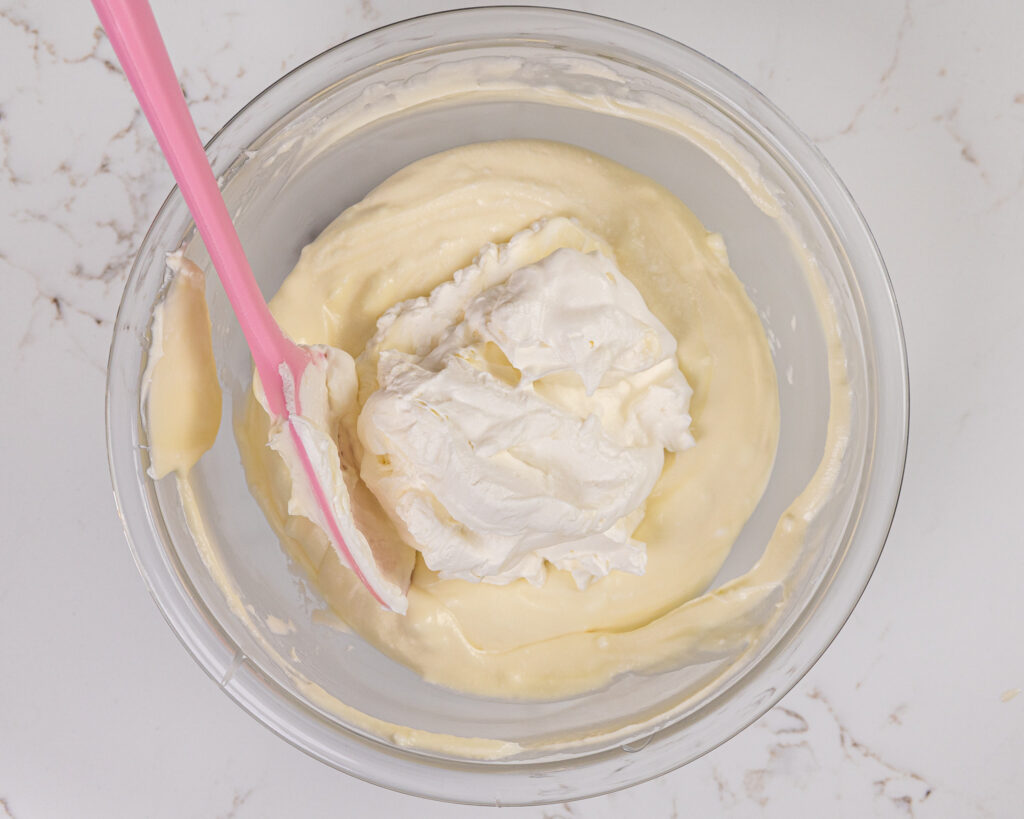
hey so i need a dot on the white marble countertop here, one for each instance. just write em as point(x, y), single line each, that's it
point(912, 711)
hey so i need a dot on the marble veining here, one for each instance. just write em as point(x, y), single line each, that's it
point(882, 86)
point(237, 802)
point(950, 121)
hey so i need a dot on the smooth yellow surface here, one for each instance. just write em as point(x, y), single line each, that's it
point(412, 233)
point(183, 402)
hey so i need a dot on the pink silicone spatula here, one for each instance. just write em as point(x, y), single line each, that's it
point(133, 33)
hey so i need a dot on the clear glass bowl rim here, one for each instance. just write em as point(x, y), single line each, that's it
point(510, 783)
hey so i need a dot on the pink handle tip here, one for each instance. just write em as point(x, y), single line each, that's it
point(133, 33)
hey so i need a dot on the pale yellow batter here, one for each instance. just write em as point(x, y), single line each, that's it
point(181, 392)
point(412, 233)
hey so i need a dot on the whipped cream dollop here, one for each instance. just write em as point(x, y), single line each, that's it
point(522, 414)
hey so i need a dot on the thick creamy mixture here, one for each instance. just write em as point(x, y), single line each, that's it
point(523, 221)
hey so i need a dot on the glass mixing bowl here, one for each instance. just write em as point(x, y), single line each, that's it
point(317, 141)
